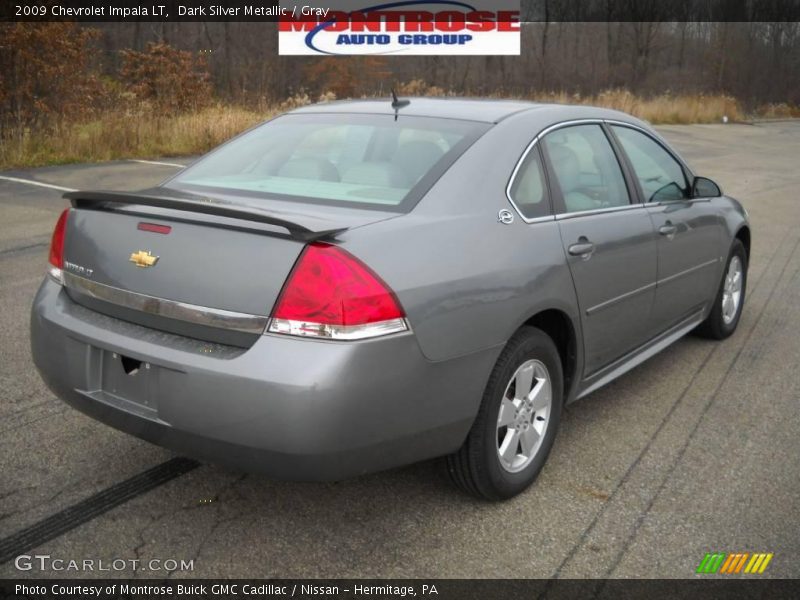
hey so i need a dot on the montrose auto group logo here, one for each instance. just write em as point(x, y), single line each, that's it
point(404, 27)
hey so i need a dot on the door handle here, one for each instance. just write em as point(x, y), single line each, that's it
point(584, 248)
point(668, 229)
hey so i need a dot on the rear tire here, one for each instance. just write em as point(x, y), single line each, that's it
point(514, 431)
point(729, 302)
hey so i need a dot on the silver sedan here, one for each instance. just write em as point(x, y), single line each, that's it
point(360, 285)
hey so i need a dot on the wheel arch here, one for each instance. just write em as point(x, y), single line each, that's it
point(743, 235)
point(560, 328)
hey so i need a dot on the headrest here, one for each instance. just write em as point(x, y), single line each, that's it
point(417, 157)
point(379, 174)
point(318, 169)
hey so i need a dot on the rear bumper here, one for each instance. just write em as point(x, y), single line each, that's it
point(291, 408)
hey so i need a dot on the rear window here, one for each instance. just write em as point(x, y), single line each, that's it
point(363, 161)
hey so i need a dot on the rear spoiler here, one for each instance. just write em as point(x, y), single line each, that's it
point(100, 199)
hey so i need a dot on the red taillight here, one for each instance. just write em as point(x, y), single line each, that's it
point(331, 294)
point(57, 241)
point(56, 258)
point(154, 228)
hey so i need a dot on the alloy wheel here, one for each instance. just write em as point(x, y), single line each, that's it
point(732, 290)
point(523, 416)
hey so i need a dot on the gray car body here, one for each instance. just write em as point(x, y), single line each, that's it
point(320, 410)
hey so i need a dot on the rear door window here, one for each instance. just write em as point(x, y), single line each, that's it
point(586, 169)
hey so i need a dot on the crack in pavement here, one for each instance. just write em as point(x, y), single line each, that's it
point(54, 413)
point(18, 249)
point(92, 507)
point(218, 522)
point(709, 403)
point(645, 449)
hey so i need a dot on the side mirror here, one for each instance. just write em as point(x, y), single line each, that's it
point(703, 187)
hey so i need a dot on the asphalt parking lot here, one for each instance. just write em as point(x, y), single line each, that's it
point(695, 451)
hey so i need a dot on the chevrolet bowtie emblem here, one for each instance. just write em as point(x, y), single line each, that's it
point(143, 259)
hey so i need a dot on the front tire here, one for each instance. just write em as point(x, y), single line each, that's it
point(724, 316)
point(517, 421)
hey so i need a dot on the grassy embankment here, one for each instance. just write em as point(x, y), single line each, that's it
point(117, 135)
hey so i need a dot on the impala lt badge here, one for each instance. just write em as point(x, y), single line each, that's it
point(79, 269)
point(143, 259)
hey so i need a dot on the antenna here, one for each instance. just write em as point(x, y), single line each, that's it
point(397, 104)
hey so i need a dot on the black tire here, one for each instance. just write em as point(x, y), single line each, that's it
point(715, 327)
point(476, 466)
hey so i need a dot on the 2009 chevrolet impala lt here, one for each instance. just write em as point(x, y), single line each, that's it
point(359, 285)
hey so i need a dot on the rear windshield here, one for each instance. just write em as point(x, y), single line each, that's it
point(363, 161)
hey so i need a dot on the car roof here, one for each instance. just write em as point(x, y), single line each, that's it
point(467, 109)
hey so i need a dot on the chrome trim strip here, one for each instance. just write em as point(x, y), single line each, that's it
point(535, 219)
point(530, 147)
point(689, 270)
point(656, 138)
point(337, 332)
point(171, 309)
point(659, 140)
point(641, 354)
point(644, 288)
point(673, 202)
point(597, 211)
point(607, 303)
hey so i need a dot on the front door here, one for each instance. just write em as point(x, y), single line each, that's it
point(609, 242)
point(689, 231)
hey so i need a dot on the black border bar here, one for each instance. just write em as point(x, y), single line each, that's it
point(731, 588)
point(587, 11)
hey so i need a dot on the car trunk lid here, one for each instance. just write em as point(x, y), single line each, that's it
point(206, 267)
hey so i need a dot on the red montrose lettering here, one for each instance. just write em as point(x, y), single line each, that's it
point(406, 21)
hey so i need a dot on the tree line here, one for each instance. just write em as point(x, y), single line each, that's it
point(757, 62)
point(50, 71)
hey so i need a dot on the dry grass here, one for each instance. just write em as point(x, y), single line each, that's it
point(139, 134)
point(779, 111)
point(659, 110)
point(145, 134)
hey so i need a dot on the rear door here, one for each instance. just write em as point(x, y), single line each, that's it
point(610, 243)
point(689, 231)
